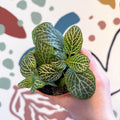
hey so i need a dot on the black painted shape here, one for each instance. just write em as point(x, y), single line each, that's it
point(108, 55)
point(113, 93)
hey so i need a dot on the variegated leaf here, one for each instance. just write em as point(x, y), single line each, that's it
point(37, 84)
point(81, 85)
point(26, 83)
point(43, 53)
point(28, 64)
point(73, 40)
point(51, 84)
point(46, 33)
point(62, 82)
point(49, 73)
point(60, 55)
point(60, 64)
point(78, 62)
point(59, 60)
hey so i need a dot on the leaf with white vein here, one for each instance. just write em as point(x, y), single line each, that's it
point(59, 60)
point(26, 83)
point(60, 55)
point(60, 64)
point(81, 85)
point(37, 84)
point(78, 62)
point(46, 33)
point(43, 52)
point(73, 40)
point(49, 73)
point(28, 64)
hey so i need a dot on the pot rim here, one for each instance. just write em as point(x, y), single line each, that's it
point(47, 95)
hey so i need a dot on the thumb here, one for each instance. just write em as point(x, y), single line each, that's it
point(93, 67)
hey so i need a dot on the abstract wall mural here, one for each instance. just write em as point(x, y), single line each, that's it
point(100, 24)
point(111, 3)
point(41, 106)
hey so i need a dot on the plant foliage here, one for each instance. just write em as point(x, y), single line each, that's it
point(57, 58)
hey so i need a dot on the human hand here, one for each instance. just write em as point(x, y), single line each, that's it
point(98, 107)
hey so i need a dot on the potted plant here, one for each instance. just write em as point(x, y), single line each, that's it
point(55, 66)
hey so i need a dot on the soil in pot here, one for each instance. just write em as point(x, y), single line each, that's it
point(50, 90)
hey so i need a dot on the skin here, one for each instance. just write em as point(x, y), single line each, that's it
point(98, 107)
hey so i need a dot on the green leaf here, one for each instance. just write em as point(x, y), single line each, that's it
point(78, 62)
point(51, 83)
point(43, 53)
point(60, 55)
point(37, 84)
point(59, 64)
point(46, 33)
point(59, 60)
point(26, 83)
point(115, 113)
point(81, 85)
point(73, 40)
point(28, 64)
point(62, 82)
point(49, 73)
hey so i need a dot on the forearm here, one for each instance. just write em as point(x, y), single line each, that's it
point(110, 117)
point(104, 116)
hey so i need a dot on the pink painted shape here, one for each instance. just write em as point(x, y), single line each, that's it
point(15, 103)
point(116, 21)
point(91, 37)
point(11, 103)
point(10, 23)
point(91, 17)
point(17, 106)
point(28, 113)
point(102, 25)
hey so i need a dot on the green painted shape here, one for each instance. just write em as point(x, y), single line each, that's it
point(51, 8)
point(0, 104)
point(22, 4)
point(20, 23)
point(4, 83)
point(36, 17)
point(2, 29)
point(12, 74)
point(2, 46)
point(40, 3)
point(115, 113)
point(10, 52)
point(8, 63)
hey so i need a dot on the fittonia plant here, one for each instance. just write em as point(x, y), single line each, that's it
point(56, 61)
